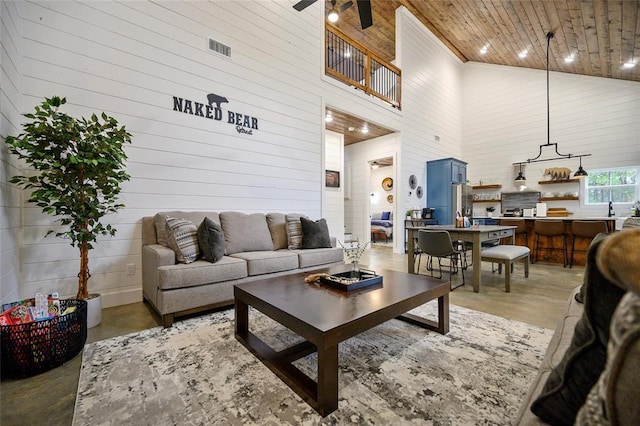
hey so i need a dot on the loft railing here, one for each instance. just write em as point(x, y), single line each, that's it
point(350, 62)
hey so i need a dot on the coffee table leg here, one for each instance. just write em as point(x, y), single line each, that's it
point(443, 314)
point(441, 326)
point(241, 318)
point(327, 380)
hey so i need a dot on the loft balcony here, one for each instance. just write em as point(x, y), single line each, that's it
point(355, 65)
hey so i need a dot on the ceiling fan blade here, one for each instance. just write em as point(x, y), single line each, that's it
point(346, 6)
point(303, 4)
point(364, 9)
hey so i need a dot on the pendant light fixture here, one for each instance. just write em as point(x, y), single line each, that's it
point(520, 178)
point(578, 174)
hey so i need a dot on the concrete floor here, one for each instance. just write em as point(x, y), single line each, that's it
point(49, 398)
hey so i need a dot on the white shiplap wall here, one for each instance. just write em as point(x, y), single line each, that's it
point(10, 119)
point(334, 197)
point(505, 121)
point(432, 105)
point(129, 59)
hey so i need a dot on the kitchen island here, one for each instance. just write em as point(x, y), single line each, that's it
point(556, 256)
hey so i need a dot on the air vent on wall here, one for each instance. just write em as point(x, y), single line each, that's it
point(217, 47)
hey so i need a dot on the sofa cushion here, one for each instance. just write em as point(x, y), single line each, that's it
point(278, 229)
point(245, 232)
point(320, 256)
point(266, 262)
point(315, 234)
point(569, 383)
point(182, 236)
point(201, 272)
point(385, 216)
point(294, 231)
point(211, 240)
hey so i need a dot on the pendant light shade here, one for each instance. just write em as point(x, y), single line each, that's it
point(580, 173)
point(520, 178)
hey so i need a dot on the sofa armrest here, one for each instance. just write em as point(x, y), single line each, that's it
point(153, 257)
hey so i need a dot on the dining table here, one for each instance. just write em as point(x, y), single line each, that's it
point(476, 234)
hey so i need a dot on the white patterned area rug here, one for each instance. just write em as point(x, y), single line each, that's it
point(196, 373)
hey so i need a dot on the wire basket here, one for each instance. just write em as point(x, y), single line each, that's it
point(35, 347)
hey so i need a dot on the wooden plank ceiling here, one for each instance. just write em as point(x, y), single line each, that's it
point(600, 35)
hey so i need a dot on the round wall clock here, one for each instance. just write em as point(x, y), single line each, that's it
point(389, 198)
point(413, 181)
point(419, 192)
point(387, 184)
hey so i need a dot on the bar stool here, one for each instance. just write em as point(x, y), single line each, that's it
point(550, 229)
point(585, 230)
point(520, 230)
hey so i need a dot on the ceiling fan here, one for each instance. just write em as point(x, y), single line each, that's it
point(364, 10)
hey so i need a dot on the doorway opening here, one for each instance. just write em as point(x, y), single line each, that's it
point(381, 202)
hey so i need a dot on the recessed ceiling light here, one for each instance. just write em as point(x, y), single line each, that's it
point(629, 64)
point(328, 118)
point(569, 59)
point(351, 128)
point(365, 129)
point(484, 49)
point(523, 54)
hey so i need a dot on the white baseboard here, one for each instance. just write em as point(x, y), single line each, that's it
point(124, 297)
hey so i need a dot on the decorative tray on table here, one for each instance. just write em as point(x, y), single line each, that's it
point(345, 281)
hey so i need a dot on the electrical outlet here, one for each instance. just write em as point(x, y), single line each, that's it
point(131, 268)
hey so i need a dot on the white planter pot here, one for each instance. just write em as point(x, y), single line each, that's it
point(94, 310)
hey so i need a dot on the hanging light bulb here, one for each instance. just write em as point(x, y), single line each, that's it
point(333, 13)
point(375, 165)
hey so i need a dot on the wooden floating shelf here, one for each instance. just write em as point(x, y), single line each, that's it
point(549, 182)
point(487, 201)
point(558, 198)
point(487, 186)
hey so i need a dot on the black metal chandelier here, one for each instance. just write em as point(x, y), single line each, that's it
point(580, 173)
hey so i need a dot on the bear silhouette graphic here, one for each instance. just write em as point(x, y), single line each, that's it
point(216, 99)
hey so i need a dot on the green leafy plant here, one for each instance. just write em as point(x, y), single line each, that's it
point(79, 166)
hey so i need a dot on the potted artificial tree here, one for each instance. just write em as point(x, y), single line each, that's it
point(79, 166)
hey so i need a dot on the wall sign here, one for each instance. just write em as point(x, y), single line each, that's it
point(212, 109)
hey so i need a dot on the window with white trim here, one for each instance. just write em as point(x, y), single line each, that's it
point(620, 185)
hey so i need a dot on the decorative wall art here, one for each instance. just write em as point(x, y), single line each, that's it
point(389, 198)
point(332, 179)
point(413, 181)
point(387, 184)
point(419, 192)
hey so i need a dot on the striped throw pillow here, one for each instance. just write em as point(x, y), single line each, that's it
point(294, 231)
point(182, 236)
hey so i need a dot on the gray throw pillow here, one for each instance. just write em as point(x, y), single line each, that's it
point(245, 232)
point(315, 234)
point(211, 240)
point(182, 236)
point(568, 385)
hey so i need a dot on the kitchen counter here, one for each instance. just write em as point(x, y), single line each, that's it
point(614, 222)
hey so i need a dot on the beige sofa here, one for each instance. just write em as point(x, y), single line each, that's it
point(256, 246)
point(596, 343)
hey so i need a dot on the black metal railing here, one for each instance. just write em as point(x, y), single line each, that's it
point(353, 64)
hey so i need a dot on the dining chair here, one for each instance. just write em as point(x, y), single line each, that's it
point(438, 244)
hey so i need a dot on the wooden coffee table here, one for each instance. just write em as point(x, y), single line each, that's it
point(325, 316)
